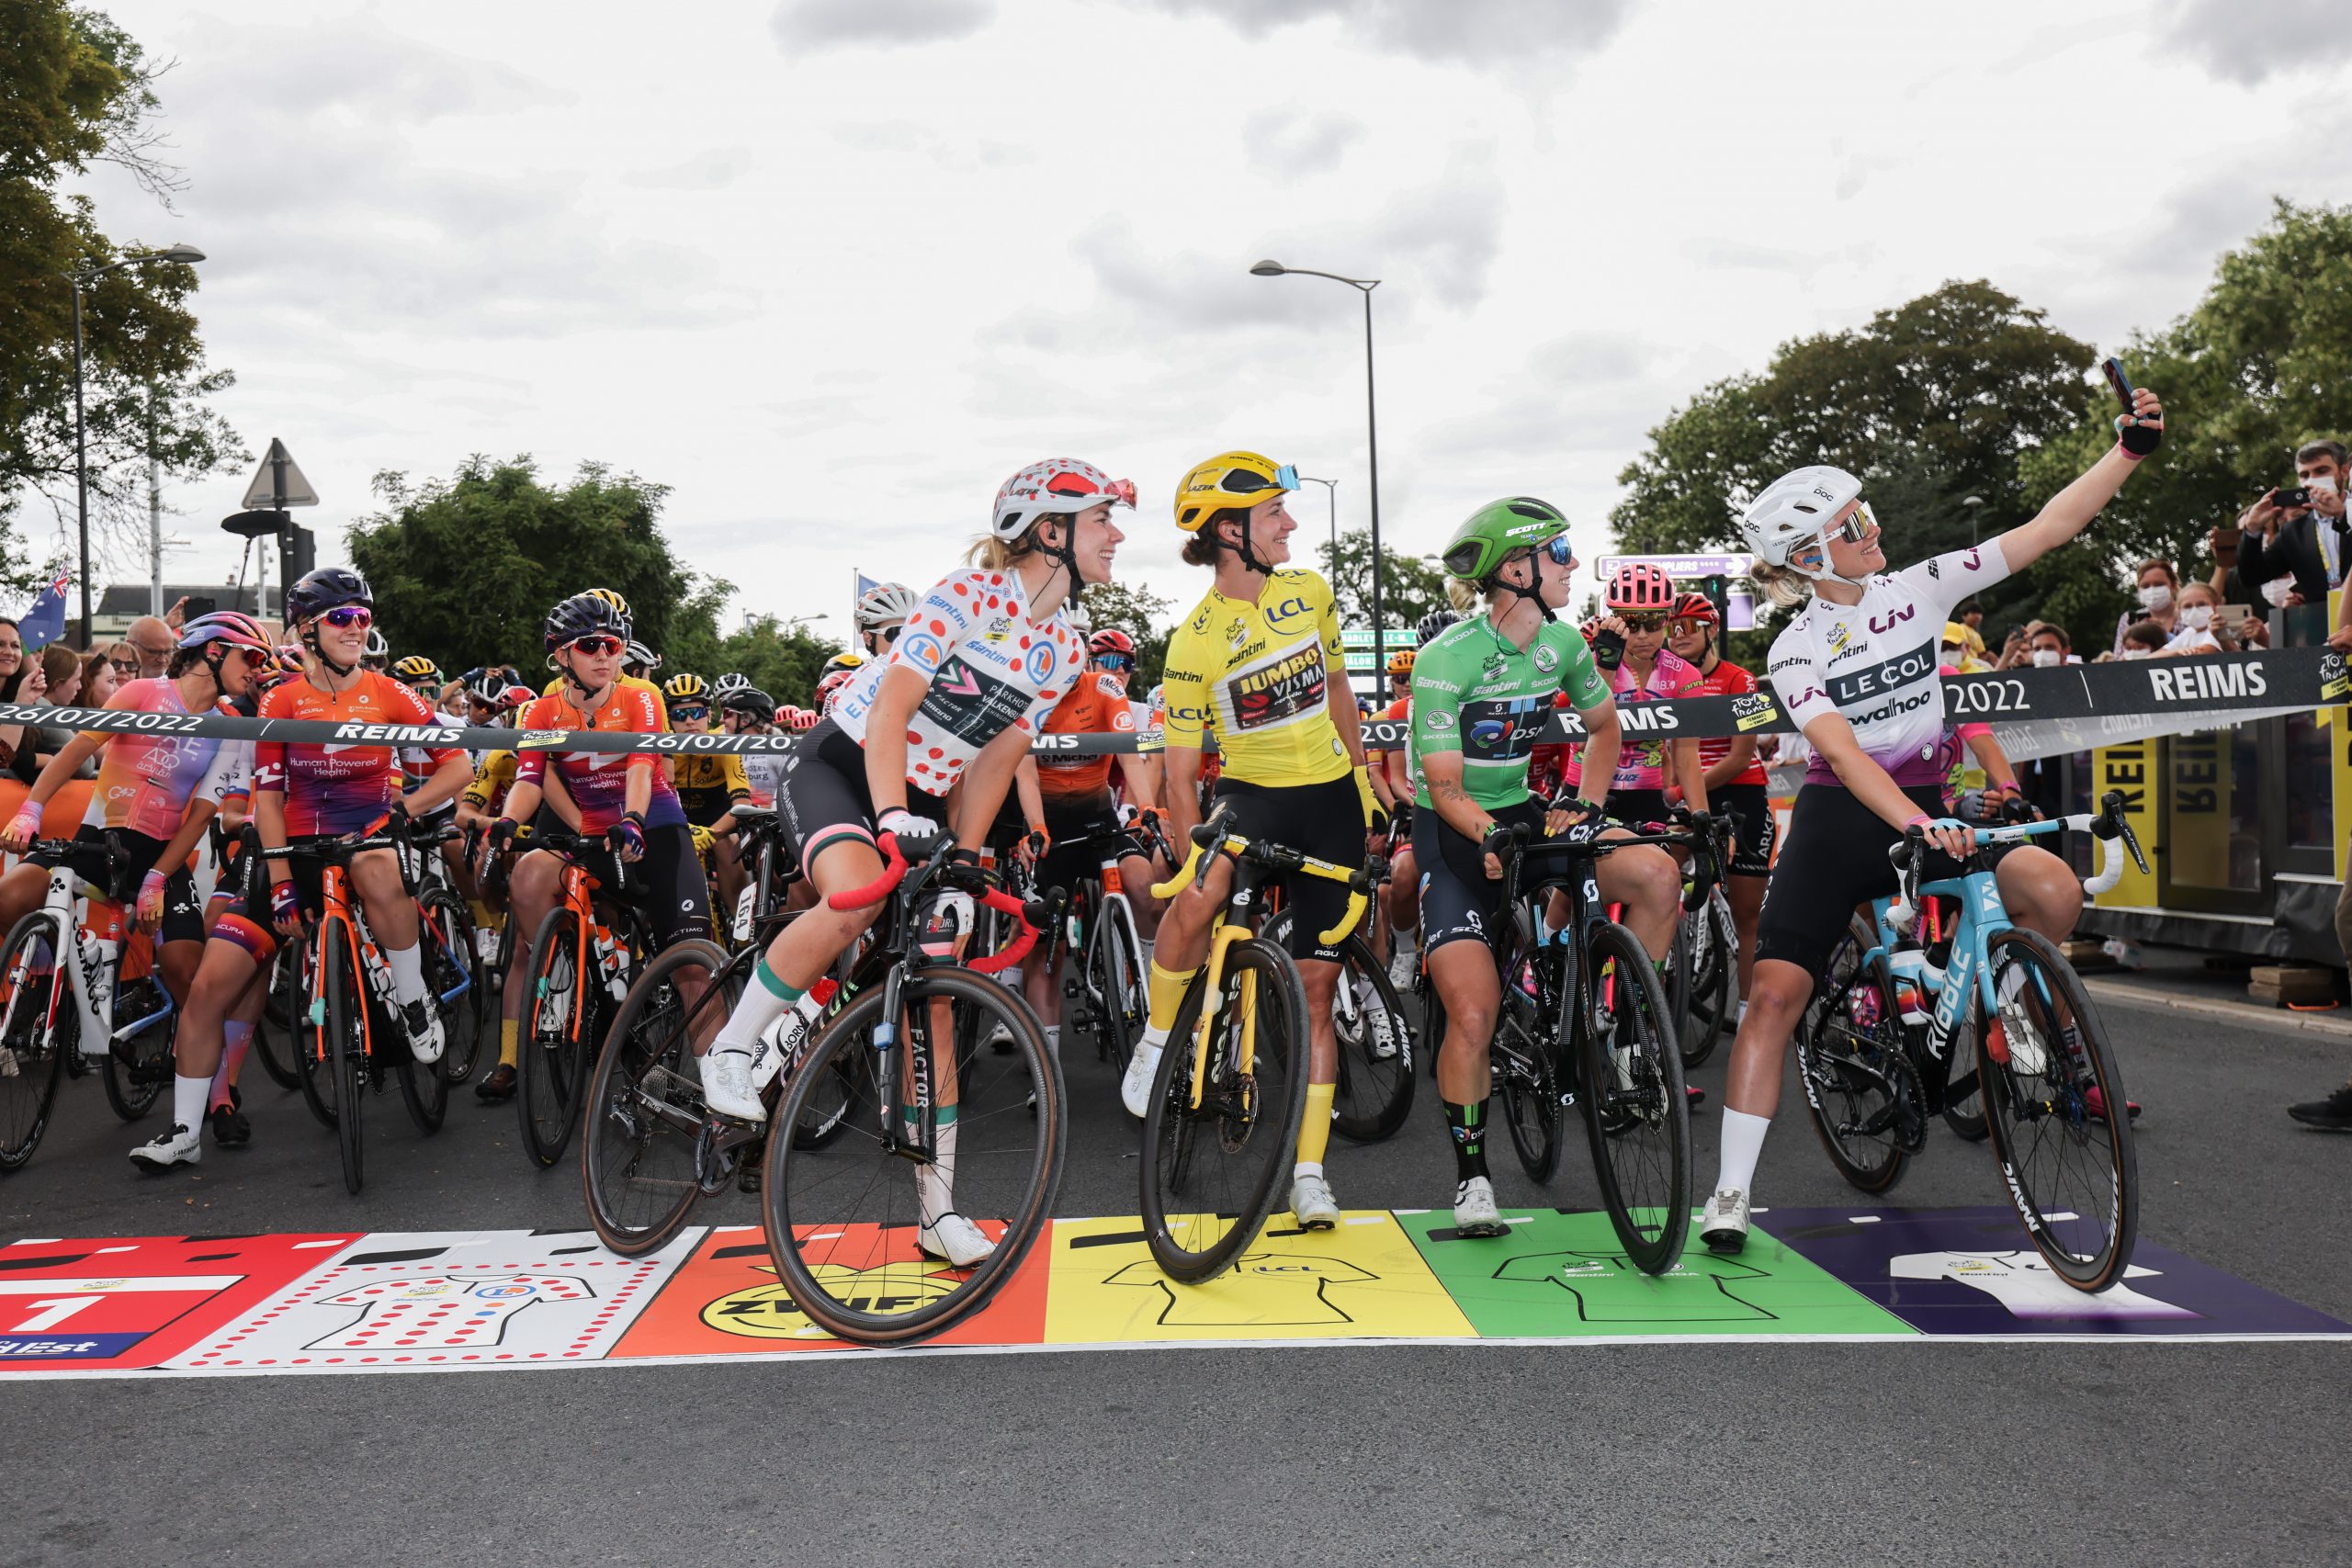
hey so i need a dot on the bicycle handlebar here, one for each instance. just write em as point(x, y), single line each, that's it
point(894, 867)
point(1033, 914)
point(2108, 826)
point(1215, 838)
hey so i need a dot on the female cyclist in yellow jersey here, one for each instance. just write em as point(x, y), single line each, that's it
point(1258, 662)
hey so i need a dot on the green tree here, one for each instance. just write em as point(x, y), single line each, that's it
point(466, 570)
point(1409, 587)
point(1144, 616)
point(79, 91)
point(782, 662)
point(2250, 373)
point(1932, 402)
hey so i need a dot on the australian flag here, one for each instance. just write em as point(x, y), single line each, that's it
point(45, 621)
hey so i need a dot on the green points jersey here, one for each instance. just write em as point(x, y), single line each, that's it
point(1476, 694)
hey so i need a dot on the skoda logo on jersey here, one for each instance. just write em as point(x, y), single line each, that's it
point(1438, 719)
point(1038, 663)
point(1289, 609)
point(1547, 658)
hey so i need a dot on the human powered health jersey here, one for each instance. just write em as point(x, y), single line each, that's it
point(1476, 693)
point(338, 787)
point(990, 666)
point(145, 781)
point(1875, 663)
point(598, 780)
point(1258, 676)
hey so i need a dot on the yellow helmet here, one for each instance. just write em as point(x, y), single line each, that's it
point(1229, 479)
point(1401, 661)
point(619, 604)
point(688, 688)
point(841, 662)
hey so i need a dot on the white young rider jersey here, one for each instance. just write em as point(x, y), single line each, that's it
point(990, 666)
point(1875, 663)
point(764, 771)
point(442, 1314)
point(2022, 1283)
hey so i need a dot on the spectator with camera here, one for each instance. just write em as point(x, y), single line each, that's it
point(2293, 543)
point(2037, 644)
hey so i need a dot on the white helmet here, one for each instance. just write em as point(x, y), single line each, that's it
point(638, 653)
point(884, 605)
point(731, 681)
point(377, 647)
point(1796, 510)
point(1057, 487)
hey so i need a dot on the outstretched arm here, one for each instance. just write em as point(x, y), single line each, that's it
point(2069, 512)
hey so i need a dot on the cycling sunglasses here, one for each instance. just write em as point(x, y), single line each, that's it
point(888, 634)
point(1123, 662)
point(1649, 623)
point(1562, 552)
point(1121, 493)
point(596, 644)
point(1859, 524)
point(692, 713)
point(1247, 483)
point(347, 615)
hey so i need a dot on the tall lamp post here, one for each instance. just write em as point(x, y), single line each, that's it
point(83, 278)
point(1364, 286)
point(1330, 493)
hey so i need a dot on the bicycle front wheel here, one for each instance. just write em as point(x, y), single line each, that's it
point(1222, 1127)
point(1374, 1092)
point(556, 1020)
point(2055, 1105)
point(454, 969)
point(846, 1219)
point(277, 1034)
point(1713, 945)
point(639, 1152)
point(1635, 1112)
point(32, 1059)
point(346, 1046)
point(1116, 999)
point(1851, 1062)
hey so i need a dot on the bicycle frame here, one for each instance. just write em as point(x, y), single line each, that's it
point(94, 977)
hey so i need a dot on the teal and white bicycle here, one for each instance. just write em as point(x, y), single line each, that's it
point(1938, 976)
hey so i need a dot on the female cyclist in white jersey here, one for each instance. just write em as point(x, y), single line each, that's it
point(1856, 670)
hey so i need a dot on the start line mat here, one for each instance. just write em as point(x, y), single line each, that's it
point(228, 1306)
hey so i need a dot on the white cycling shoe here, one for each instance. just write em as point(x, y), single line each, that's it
point(1134, 1089)
point(1311, 1203)
point(181, 1145)
point(1403, 966)
point(1474, 1209)
point(727, 1085)
point(954, 1238)
point(1722, 1224)
point(424, 1025)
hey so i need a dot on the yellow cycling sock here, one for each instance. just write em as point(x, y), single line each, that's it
point(1315, 1127)
point(1168, 993)
point(510, 1029)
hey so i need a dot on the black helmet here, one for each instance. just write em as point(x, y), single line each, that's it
point(583, 614)
point(1435, 622)
point(329, 588)
point(750, 700)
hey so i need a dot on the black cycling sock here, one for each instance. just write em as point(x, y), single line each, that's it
point(1468, 1125)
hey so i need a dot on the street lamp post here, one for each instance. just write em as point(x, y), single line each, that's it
point(1330, 493)
point(1973, 505)
point(80, 279)
point(1364, 286)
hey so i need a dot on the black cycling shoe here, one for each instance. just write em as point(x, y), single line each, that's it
point(2333, 1114)
point(498, 1085)
point(229, 1128)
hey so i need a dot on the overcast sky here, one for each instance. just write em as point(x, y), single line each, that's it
point(832, 269)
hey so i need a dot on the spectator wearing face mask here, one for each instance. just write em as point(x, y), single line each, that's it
point(1954, 654)
point(2159, 590)
point(2048, 646)
point(2292, 554)
point(2198, 628)
point(2142, 639)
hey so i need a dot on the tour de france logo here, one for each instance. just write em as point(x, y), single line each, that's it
point(2335, 683)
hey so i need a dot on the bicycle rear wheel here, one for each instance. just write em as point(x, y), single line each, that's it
point(136, 1068)
point(1713, 947)
point(32, 1057)
point(1635, 1112)
point(278, 1033)
point(453, 969)
point(1525, 1074)
point(423, 1089)
point(1375, 1091)
point(1851, 1062)
point(558, 1019)
point(347, 1048)
point(640, 1149)
point(1116, 999)
point(1213, 1171)
point(843, 1220)
point(2066, 1158)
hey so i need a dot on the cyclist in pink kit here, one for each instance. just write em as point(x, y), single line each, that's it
point(1629, 648)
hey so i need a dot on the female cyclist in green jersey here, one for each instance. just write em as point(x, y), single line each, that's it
point(1481, 694)
point(1259, 663)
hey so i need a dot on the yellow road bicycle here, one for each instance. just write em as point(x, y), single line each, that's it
point(1224, 1116)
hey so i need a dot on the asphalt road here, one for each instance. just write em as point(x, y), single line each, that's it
point(1934, 1452)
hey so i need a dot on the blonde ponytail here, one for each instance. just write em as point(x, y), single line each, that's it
point(1463, 596)
point(1784, 586)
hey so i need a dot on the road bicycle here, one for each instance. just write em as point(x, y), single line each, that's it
point(931, 1128)
point(1222, 1124)
point(1109, 993)
point(1876, 1050)
point(765, 853)
point(442, 907)
point(1704, 962)
point(1586, 1022)
point(581, 962)
point(52, 1009)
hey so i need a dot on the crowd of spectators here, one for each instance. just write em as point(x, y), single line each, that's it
point(60, 676)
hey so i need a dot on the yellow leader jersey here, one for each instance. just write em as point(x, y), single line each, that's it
point(1258, 677)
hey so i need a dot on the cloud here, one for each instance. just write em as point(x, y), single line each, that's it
point(808, 25)
point(703, 171)
point(2247, 41)
point(1479, 32)
point(1294, 144)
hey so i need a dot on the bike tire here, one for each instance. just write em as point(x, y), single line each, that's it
point(2036, 1118)
point(830, 1262)
point(1115, 981)
point(423, 1089)
point(1635, 1113)
point(643, 1129)
point(347, 1049)
point(1373, 1094)
point(135, 1070)
point(29, 980)
point(1524, 1064)
point(1193, 1244)
point(276, 1031)
point(1963, 1084)
point(451, 955)
point(557, 1006)
point(1714, 986)
point(1852, 1064)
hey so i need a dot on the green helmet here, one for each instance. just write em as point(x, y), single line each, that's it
point(1495, 530)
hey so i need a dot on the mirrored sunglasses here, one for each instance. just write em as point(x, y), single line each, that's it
point(347, 616)
point(596, 644)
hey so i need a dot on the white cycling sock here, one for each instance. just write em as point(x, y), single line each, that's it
point(764, 1000)
point(1743, 1141)
point(189, 1096)
point(1153, 1039)
point(408, 972)
point(1306, 1167)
